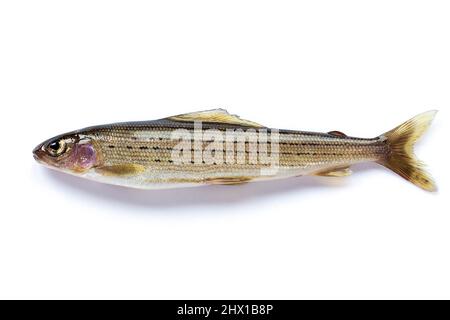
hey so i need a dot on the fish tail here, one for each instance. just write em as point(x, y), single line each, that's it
point(400, 157)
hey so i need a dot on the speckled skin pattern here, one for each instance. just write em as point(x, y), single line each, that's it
point(140, 154)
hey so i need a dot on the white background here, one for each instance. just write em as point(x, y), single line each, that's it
point(356, 66)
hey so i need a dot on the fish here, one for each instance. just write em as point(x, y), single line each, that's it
point(214, 147)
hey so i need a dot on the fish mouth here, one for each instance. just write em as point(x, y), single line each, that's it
point(37, 153)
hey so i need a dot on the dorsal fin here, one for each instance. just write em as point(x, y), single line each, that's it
point(216, 116)
point(337, 133)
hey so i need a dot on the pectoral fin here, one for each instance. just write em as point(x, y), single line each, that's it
point(126, 169)
point(336, 172)
point(216, 116)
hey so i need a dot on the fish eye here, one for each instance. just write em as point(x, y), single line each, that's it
point(56, 148)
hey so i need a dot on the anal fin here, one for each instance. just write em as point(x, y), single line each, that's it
point(335, 172)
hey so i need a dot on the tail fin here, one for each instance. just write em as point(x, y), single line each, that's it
point(401, 158)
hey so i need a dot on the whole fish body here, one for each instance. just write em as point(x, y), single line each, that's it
point(215, 147)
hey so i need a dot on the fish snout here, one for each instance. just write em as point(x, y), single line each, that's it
point(38, 153)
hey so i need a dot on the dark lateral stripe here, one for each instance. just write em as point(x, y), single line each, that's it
point(258, 152)
point(294, 144)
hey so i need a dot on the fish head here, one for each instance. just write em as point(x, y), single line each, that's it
point(71, 152)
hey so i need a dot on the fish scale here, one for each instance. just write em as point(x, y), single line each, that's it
point(144, 154)
point(121, 143)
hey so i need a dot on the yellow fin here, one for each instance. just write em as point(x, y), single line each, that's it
point(126, 169)
point(229, 180)
point(336, 172)
point(216, 116)
point(401, 158)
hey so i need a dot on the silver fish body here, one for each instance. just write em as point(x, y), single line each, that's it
point(214, 147)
